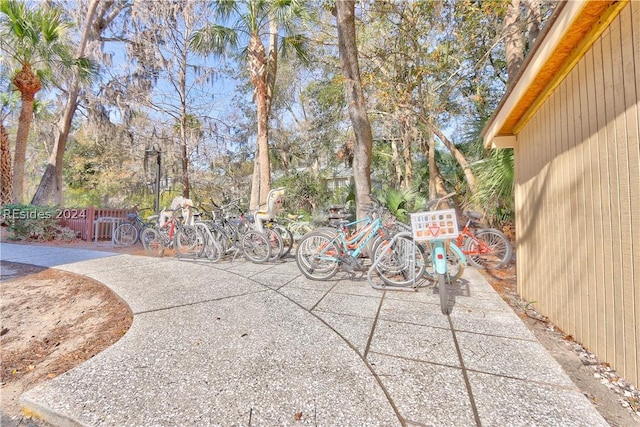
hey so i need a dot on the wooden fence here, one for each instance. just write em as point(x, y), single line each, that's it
point(92, 223)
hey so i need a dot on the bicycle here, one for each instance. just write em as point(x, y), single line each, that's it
point(485, 247)
point(128, 233)
point(229, 230)
point(296, 225)
point(285, 235)
point(322, 252)
point(170, 232)
point(438, 228)
point(280, 239)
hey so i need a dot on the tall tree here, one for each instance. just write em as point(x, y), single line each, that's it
point(348, 49)
point(163, 45)
point(36, 40)
point(51, 182)
point(260, 21)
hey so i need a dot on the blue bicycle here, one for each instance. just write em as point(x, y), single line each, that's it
point(322, 252)
point(438, 228)
point(129, 232)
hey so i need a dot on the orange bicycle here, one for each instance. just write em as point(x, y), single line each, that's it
point(482, 247)
point(486, 247)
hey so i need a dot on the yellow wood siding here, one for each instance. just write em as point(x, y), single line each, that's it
point(578, 199)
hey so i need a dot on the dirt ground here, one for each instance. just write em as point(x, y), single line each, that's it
point(53, 321)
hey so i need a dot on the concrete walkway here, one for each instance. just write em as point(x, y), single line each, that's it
point(241, 344)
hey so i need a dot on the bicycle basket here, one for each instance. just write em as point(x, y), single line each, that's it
point(432, 225)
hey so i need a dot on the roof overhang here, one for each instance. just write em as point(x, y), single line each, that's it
point(572, 29)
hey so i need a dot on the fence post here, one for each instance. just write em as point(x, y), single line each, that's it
point(91, 211)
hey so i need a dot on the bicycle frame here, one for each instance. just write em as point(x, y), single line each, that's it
point(439, 255)
point(166, 232)
point(353, 245)
point(356, 243)
point(465, 234)
point(137, 221)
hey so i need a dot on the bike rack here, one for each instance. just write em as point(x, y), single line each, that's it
point(194, 256)
point(105, 220)
point(410, 258)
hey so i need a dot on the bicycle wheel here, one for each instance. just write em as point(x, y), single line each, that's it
point(125, 234)
point(444, 300)
point(400, 262)
point(208, 246)
point(152, 242)
point(145, 237)
point(455, 266)
point(488, 248)
point(317, 256)
point(287, 239)
point(383, 235)
point(255, 246)
point(300, 230)
point(275, 242)
point(219, 235)
point(185, 239)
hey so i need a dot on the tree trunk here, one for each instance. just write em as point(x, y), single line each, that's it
point(51, 183)
point(5, 175)
point(272, 61)
point(46, 188)
point(20, 153)
point(395, 160)
point(436, 183)
point(534, 20)
point(345, 17)
point(263, 147)
point(254, 201)
point(406, 155)
point(513, 39)
point(185, 168)
point(460, 158)
point(284, 156)
point(258, 71)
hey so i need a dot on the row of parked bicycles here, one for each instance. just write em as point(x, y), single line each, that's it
point(433, 247)
point(211, 231)
point(395, 251)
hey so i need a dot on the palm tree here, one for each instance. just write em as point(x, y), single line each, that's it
point(36, 42)
point(257, 22)
point(5, 167)
point(496, 185)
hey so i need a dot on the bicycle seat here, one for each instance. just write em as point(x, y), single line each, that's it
point(473, 215)
point(152, 218)
point(131, 216)
point(338, 222)
point(338, 215)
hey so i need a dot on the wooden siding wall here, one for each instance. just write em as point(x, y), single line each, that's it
point(578, 200)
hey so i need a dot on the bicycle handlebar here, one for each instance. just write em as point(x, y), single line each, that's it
point(234, 203)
